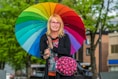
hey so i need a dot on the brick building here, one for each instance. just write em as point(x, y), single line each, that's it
point(113, 52)
point(83, 54)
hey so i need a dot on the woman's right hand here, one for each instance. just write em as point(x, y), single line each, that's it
point(49, 42)
point(46, 53)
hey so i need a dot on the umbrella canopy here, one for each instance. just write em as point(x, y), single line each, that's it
point(31, 24)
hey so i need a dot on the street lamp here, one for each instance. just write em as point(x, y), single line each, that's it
point(100, 49)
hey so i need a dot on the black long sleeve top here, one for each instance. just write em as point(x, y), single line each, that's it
point(64, 45)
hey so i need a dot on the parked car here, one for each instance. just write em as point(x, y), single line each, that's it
point(85, 73)
point(38, 71)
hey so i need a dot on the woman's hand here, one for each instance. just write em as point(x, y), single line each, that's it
point(49, 42)
point(46, 53)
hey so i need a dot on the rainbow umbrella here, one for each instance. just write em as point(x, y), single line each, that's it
point(31, 25)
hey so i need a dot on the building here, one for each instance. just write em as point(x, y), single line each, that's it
point(84, 53)
point(113, 52)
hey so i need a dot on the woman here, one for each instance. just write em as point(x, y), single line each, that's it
point(57, 41)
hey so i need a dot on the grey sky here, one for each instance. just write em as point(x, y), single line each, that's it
point(112, 4)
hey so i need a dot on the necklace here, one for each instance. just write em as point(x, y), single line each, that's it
point(54, 38)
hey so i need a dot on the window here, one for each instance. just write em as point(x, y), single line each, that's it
point(87, 51)
point(113, 68)
point(114, 48)
point(87, 41)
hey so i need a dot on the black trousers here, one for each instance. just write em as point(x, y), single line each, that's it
point(52, 77)
point(59, 76)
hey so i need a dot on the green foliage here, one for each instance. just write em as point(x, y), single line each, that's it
point(40, 1)
point(38, 60)
point(90, 11)
point(10, 50)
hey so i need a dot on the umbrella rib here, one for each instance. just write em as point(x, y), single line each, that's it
point(68, 13)
point(44, 9)
point(50, 8)
point(59, 9)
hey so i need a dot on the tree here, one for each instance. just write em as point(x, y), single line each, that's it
point(10, 50)
point(95, 16)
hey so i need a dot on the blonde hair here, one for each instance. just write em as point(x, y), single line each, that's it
point(61, 30)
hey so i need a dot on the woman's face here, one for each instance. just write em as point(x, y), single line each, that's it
point(54, 25)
